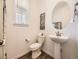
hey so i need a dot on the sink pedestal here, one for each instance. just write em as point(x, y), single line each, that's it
point(58, 41)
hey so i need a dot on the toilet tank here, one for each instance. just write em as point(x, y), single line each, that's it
point(41, 38)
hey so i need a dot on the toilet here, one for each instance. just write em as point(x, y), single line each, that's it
point(36, 47)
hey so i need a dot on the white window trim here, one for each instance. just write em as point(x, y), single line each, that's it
point(23, 11)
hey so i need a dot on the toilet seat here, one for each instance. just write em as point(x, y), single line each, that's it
point(35, 46)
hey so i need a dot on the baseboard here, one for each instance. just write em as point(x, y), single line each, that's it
point(47, 52)
point(20, 55)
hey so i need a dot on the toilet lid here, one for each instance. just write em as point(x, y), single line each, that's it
point(35, 46)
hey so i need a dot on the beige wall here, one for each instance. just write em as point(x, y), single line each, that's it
point(15, 36)
point(1, 19)
point(69, 48)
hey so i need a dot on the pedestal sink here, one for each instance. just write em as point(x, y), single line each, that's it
point(58, 39)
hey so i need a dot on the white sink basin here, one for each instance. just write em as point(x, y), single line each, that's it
point(58, 39)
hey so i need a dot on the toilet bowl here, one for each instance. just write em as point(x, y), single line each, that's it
point(36, 47)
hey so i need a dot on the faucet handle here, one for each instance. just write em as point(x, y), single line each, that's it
point(58, 33)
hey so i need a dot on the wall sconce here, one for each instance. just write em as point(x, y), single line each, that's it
point(75, 12)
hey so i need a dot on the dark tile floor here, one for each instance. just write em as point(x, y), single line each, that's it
point(42, 56)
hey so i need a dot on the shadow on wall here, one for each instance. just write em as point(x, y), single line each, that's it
point(70, 49)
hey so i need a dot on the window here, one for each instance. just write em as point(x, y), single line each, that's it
point(21, 12)
point(20, 16)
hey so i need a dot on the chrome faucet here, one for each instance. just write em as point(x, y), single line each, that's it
point(58, 26)
point(58, 33)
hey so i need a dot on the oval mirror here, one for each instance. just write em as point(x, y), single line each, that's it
point(61, 14)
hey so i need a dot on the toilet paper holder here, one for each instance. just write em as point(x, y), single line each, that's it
point(27, 40)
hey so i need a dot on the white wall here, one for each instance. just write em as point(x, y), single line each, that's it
point(15, 36)
point(70, 48)
point(47, 7)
